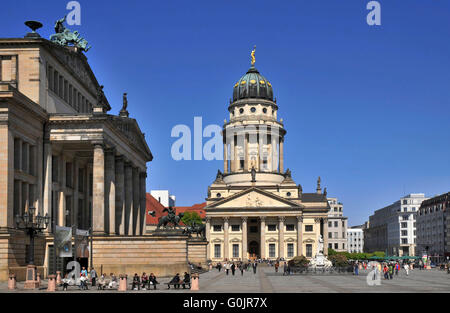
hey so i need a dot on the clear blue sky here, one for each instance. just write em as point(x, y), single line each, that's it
point(366, 108)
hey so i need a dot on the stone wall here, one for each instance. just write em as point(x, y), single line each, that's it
point(161, 255)
point(197, 251)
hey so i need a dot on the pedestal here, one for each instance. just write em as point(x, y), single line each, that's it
point(51, 283)
point(58, 278)
point(31, 281)
point(122, 283)
point(12, 281)
point(194, 282)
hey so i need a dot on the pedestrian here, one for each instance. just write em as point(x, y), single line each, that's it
point(219, 266)
point(227, 267)
point(241, 267)
point(233, 268)
point(277, 264)
point(152, 281)
point(356, 268)
point(186, 280)
point(136, 282)
point(397, 267)
point(93, 277)
point(83, 279)
point(254, 265)
point(391, 271)
point(176, 281)
point(285, 269)
point(144, 280)
point(386, 272)
point(406, 267)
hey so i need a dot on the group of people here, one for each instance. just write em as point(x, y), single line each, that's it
point(233, 266)
point(177, 281)
point(144, 281)
point(286, 267)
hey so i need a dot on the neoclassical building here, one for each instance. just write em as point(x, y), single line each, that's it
point(63, 154)
point(254, 208)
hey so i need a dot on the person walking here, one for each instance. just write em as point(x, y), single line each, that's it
point(285, 269)
point(219, 266)
point(227, 267)
point(93, 277)
point(241, 268)
point(391, 271)
point(397, 267)
point(356, 266)
point(406, 267)
point(386, 272)
point(254, 265)
point(277, 264)
point(233, 268)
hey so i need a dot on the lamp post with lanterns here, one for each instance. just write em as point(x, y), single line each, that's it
point(32, 224)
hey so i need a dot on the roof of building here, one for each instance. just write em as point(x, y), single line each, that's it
point(313, 197)
point(252, 85)
point(154, 205)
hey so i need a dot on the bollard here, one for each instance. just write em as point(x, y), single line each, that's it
point(58, 278)
point(51, 283)
point(194, 282)
point(12, 281)
point(38, 278)
point(122, 282)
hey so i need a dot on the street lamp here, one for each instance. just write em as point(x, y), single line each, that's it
point(32, 224)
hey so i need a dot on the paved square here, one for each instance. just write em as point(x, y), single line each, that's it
point(267, 281)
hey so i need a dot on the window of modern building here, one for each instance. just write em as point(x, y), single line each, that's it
point(308, 228)
point(404, 225)
point(290, 250)
point(404, 233)
point(404, 240)
point(217, 250)
point(235, 250)
point(308, 250)
point(271, 250)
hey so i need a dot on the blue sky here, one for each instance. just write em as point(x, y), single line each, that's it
point(366, 108)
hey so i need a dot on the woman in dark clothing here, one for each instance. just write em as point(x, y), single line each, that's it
point(152, 281)
point(176, 281)
point(136, 282)
point(186, 280)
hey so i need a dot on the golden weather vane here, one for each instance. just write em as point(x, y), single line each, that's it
point(253, 55)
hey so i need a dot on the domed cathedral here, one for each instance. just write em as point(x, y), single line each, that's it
point(254, 208)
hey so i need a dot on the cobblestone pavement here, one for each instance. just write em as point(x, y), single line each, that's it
point(267, 281)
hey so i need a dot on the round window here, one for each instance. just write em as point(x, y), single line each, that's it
point(288, 194)
point(253, 110)
point(264, 110)
point(241, 110)
point(219, 195)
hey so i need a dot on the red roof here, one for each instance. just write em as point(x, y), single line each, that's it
point(154, 205)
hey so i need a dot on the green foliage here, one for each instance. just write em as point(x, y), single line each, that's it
point(355, 256)
point(299, 261)
point(191, 219)
point(338, 259)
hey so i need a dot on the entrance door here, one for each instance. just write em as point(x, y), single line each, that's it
point(253, 249)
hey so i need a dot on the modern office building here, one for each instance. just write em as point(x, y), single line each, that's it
point(355, 240)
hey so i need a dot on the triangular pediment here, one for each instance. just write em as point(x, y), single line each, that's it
point(254, 198)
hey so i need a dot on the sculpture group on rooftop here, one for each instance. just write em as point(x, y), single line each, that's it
point(64, 36)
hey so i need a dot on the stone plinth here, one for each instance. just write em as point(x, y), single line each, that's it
point(51, 283)
point(31, 282)
point(12, 281)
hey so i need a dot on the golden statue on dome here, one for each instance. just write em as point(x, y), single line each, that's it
point(253, 56)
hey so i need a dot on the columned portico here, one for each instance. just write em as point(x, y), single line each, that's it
point(262, 230)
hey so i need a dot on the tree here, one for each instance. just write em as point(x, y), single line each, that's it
point(191, 219)
point(338, 260)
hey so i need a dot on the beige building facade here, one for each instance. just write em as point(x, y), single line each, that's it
point(254, 208)
point(63, 154)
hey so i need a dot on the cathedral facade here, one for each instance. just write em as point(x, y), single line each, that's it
point(254, 208)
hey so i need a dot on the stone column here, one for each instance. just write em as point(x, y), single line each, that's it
point(98, 197)
point(225, 238)
point(128, 199)
point(136, 202)
point(244, 238)
point(62, 194)
point(232, 155)
point(274, 154)
point(263, 236)
point(207, 233)
point(143, 201)
point(325, 236)
point(225, 157)
point(281, 155)
point(48, 182)
point(245, 152)
point(299, 235)
point(110, 191)
point(87, 214)
point(260, 150)
point(75, 207)
point(281, 220)
point(120, 195)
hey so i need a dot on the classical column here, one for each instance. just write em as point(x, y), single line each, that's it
point(225, 157)
point(299, 235)
point(260, 150)
point(136, 202)
point(281, 156)
point(128, 199)
point(246, 153)
point(110, 191)
point(236, 159)
point(48, 182)
point(207, 233)
point(98, 197)
point(244, 238)
point(75, 207)
point(62, 194)
point(87, 213)
point(281, 220)
point(120, 195)
point(232, 154)
point(274, 154)
point(225, 238)
point(263, 237)
point(143, 200)
point(325, 236)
